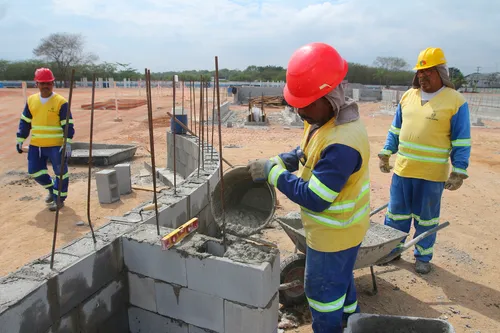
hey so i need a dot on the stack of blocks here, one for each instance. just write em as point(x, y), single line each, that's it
point(195, 288)
point(113, 183)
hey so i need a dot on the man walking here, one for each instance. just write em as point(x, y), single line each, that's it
point(431, 125)
point(45, 116)
point(332, 183)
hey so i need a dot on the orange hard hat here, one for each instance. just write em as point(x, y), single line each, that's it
point(313, 71)
point(44, 75)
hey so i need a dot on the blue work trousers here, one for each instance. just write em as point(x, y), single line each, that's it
point(37, 168)
point(330, 289)
point(416, 199)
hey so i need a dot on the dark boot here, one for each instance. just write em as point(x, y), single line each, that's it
point(422, 267)
point(53, 206)
point(49, 198)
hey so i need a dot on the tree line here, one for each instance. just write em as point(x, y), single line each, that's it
point(62, 51)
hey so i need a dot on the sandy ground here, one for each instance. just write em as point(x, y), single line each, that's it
point(464, 287)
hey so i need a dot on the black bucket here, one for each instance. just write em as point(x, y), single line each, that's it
point(248, 206)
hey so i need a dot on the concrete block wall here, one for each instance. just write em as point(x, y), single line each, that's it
point(199, 287)
point(243, 93)
point(124, 283)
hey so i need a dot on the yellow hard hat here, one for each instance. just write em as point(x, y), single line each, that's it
point(430, 57)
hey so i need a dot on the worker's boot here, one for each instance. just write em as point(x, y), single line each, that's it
point(53, 206)
point(422, 267)
point(49, 198)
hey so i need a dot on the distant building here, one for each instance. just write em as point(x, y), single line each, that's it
point(483, 80)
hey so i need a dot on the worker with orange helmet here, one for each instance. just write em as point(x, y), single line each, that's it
point(431, 126)
point(45, 117)
point(332, 184)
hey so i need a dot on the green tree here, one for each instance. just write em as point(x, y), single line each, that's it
point(457, 78)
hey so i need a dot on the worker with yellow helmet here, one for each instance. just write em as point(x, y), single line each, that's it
point(430, 127)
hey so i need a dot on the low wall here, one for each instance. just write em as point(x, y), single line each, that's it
point(243, 93)
point(367, 95)
point(94, 287)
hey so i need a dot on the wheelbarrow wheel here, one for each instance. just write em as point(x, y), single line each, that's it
point(292, 269)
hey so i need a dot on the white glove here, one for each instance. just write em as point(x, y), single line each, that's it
point(68, 150)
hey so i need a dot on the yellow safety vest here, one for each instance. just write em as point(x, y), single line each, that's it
point(344, 224)
point(46, 127)
point(425, 135)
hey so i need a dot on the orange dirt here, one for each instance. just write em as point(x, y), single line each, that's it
point(463, 288)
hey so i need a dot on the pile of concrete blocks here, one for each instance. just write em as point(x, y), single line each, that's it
point(112, 183)
point(198, 287)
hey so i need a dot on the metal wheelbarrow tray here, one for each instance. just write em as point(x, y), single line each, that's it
point(102, 153)
point(375, 249)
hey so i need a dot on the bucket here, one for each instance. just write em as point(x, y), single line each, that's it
point(181, 115)
point(248, 206)
point(373, 323)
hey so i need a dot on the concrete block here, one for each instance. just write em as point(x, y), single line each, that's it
point(248, 283)
point(142, 321)
point(192, 307)
point(118, 323)
point(103, 305)
point(175, 210)
point(67, 324)
point(107, 186)
point(239, 318)
point(195, 329)
point(124, 175)
point(198, 199)
point(141, 291)
point(24, 306)
point(214, 180)
point(143, 243)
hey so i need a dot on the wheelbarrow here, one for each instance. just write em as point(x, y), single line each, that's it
point(376, 248)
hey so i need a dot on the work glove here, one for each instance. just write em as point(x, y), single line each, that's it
point(455, 181)
point(68, 149)
point(19, 147)
point(384, 163)
point(259, 169)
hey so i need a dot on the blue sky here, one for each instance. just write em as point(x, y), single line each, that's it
point(187, 34)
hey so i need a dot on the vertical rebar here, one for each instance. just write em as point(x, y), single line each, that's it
point(191, 103)
point(91, 139)
point(182, 96)
point(220, 152)
point(61, 171)
point(151, 143)
point(213, 122)
point(202, 116)
point(206, 111)
point(174, 135)
point(194, 106)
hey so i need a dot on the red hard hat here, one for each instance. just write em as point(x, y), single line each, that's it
point(313, 71)
point(44, 75)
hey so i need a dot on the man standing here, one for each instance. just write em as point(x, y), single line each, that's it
point(332, 183)
point(430, 126)
point(45, 116)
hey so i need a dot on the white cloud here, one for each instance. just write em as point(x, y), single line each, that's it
point(179, 34)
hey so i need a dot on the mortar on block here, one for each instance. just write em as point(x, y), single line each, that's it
point(248, 206)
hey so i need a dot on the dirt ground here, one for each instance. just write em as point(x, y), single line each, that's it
point(463, 288)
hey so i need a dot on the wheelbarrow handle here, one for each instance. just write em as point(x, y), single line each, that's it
point(414, 241)
point(375, 211)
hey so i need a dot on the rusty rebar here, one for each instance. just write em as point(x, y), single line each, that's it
point(62, 167)
point(213, 122)
point(220, 153)
point(91, 136)
point(152, 145)
point(174, 135)
point(194, 106)
point(202, 127)
point(194, 134)
point(206, 111)
point(191, 102)
point(182, 95)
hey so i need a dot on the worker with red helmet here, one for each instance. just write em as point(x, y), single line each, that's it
point(332, 183)
point(45, 117)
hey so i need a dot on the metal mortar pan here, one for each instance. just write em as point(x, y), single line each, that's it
point(248, 206)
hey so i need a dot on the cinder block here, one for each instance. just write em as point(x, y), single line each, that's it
point(248, 283)
point(67, 324)
point(213, 180)
point(141, 291)
point(142, 321)
point(117, 323)
point(192, 307)
point(177, 211)
point(195, 329)
point(198, 199)
point(124, 175)
point(239, 318)
point(107, 186)
point(102, 305)
point(143, 255)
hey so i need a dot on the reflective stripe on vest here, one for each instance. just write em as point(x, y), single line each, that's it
point(329, 221)
point(47, 132)
point(423, 153)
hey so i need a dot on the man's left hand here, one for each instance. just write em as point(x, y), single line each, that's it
point(68, 150)
point(454, 181)
point(259, 169)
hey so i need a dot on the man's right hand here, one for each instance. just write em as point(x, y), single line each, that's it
point(384, 163)
point(19, 147)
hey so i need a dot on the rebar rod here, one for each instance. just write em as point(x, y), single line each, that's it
point(91, 139)
point(173, 134)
